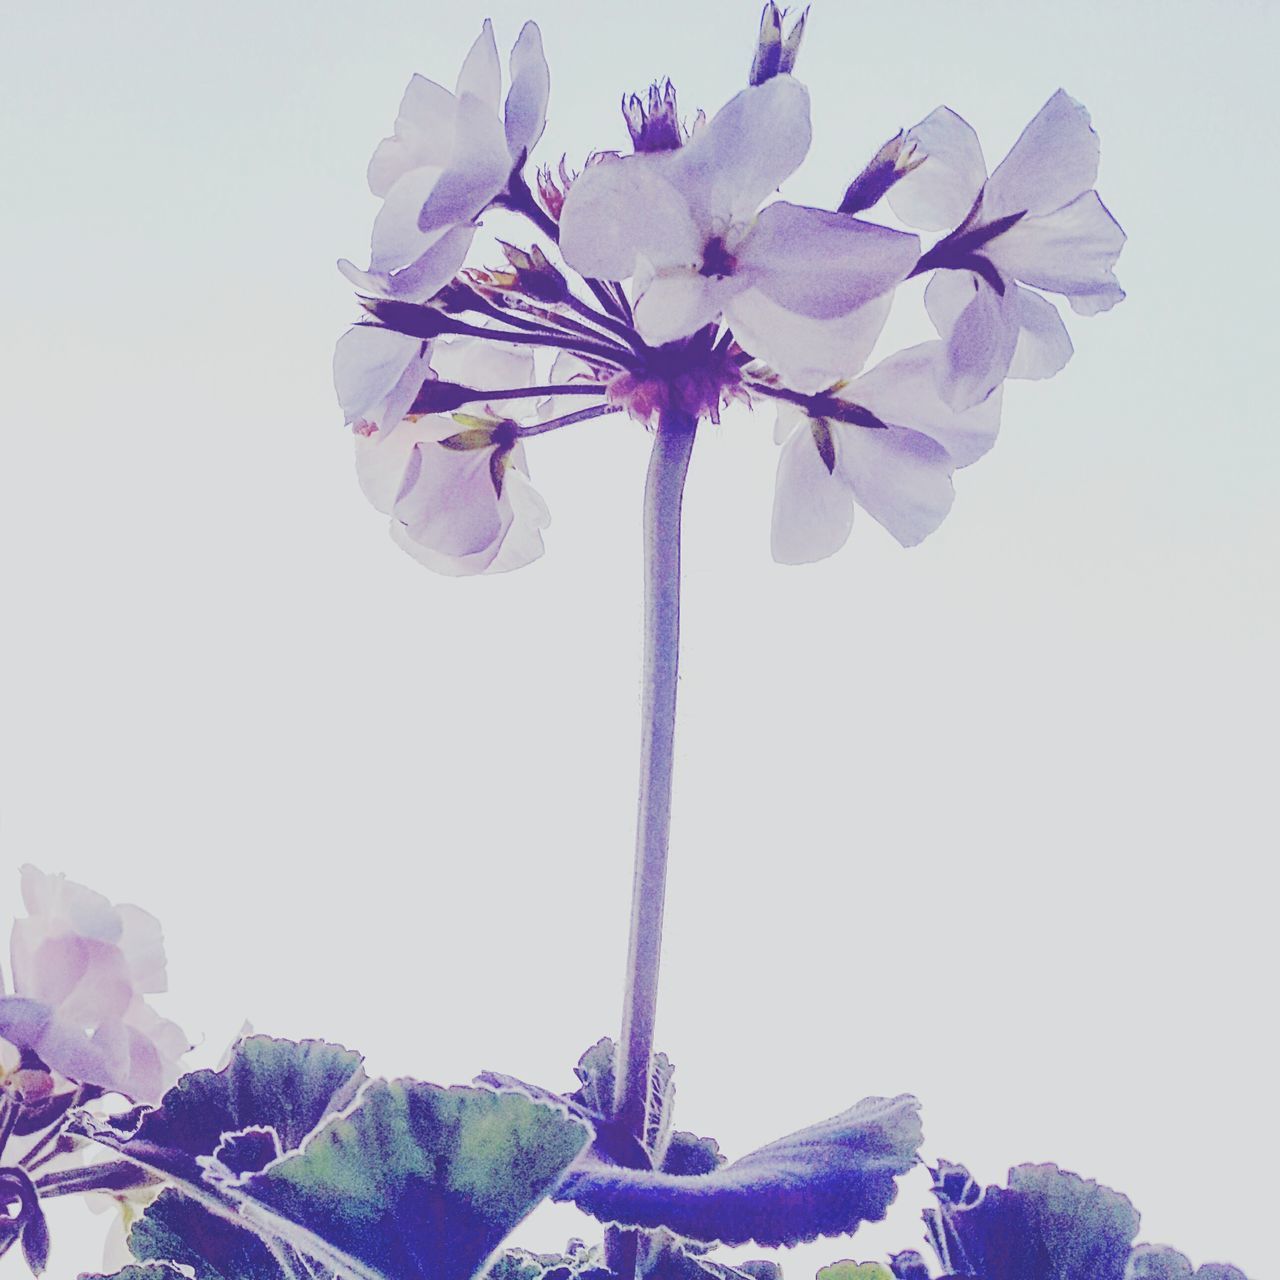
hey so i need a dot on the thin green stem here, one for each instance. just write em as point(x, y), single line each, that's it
point(664, 492)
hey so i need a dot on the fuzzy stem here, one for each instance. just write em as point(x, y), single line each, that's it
point(664, 490)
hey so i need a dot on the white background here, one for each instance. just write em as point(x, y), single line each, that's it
point(991, 821)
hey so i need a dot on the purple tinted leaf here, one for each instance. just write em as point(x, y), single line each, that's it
point(824, 1180)
point(175, 1229)
point(287, 1086)
point(1048, 1224)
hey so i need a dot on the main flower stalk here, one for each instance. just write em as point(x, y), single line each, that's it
point(664, 491)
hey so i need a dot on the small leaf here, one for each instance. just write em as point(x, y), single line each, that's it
point(855, 1271)
point(824, 1180)
point(471, 438)
point(417, 1182)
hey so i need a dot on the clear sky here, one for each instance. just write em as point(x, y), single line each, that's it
point(992, 820)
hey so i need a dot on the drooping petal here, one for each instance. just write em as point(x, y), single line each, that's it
point(423, 134)
point(938, 194)
point(823, 264)
point(980, 328)
point(620, 209)
point(1070, 251)
point(448, 503)
point(1052, 162)
point(1044, 345)
point(677, 303)
point(750, 147)
point(449, 516)
point(421, 279)
point(824, 1180)
point(812, 508)
point(481, 73)
point(377, 374)
point(807, 354)
point(525, 113)
point(903, 391)
point(901, 478)
point(425, 203)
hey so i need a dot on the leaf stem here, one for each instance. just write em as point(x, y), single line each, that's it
point(664, 491)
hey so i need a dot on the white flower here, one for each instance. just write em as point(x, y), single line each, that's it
point(451, 155)
point(684, 226)
point(898, 472)
point(458, 510)
point(1036, 220)
point(81, 970)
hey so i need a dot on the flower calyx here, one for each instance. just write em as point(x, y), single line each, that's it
point(481, 431)
point(775, 52)
point(960, 250)
point(530, 273)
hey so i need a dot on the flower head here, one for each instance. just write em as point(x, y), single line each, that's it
point(1036, 220)
point(887, 442)
point(450, 157)
point(686, 227)
point(457, 492)
point(81, 971)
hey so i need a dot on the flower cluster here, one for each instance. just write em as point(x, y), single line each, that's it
point(672, 280)
point(82, 970)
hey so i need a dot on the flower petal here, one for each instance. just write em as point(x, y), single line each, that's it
point(1071, 251)
point(938, 194)
point(481, 74)
point(750, 147)
point(424, 203)
point(812, 508)
point(1052, 162)
point(620, 209)
point(824, 1180)
point(904, 392)
point(473, 362)
point(421, 279)
point(677, 303)
point(823, 264)
point(807, 354)
point(525, 113)
point(1044, 345)
point(901, 478)
point(423, 134)
point(373, 373)
point(980, 327)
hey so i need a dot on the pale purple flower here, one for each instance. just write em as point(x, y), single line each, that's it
point(462, 507)
point(685, 226)
point(450, 157)
point(81, 971)
point(1036, 220)
point(896, 462)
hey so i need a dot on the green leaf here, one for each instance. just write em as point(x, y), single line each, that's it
point(855, 1271)
point(417, 1182)
point(176, 1229)
point(145, 1272)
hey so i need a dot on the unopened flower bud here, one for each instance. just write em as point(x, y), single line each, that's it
point(414, 319)
point(775, 53)
point(894, 160)
point(654, 126)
